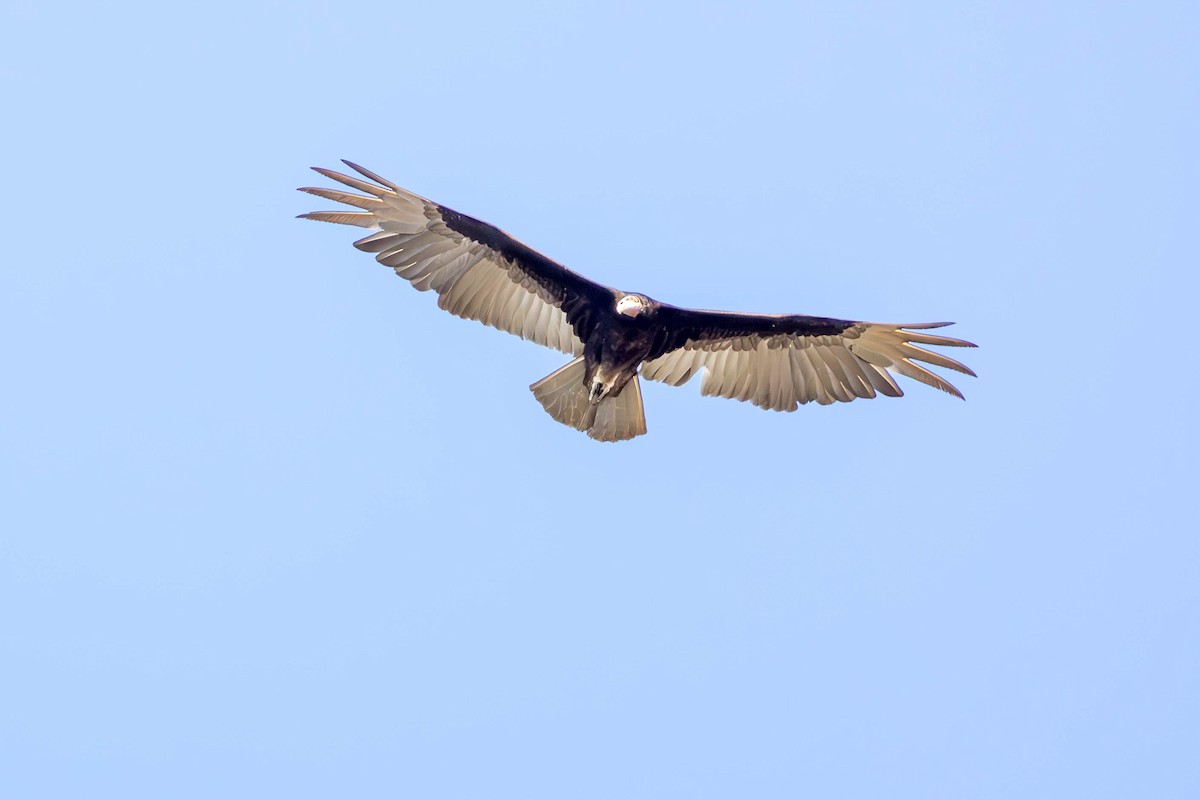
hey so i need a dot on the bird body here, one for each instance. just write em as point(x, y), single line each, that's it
point(616, 348)
point(481, 273)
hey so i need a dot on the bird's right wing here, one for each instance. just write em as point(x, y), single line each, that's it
point(478, 271)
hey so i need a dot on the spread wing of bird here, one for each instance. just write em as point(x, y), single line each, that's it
point(780, 361)
point(478, 271)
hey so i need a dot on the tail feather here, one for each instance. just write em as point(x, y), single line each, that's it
point(563, 394)
point(621, 417)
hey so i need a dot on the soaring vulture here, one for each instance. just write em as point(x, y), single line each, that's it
point(479, 272)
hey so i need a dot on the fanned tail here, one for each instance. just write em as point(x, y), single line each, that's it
point(565, 397)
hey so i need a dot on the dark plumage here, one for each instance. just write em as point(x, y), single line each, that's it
point(481, 273)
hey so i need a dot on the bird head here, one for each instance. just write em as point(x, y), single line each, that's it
point(633, 305)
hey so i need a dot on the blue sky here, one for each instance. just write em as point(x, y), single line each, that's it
point(276, 526)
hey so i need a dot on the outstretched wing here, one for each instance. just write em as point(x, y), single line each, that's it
point(779, 361)
point(478, 271)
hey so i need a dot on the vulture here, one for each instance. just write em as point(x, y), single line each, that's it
point(479, 272)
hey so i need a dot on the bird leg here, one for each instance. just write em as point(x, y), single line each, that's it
point(596, 393)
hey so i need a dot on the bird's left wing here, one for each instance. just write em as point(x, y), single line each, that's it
point(478, 271)
point(780, 361)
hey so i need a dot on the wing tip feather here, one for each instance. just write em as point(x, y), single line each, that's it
point(369, 174)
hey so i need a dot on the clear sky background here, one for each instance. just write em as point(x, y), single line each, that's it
point(275, 526)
